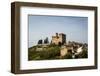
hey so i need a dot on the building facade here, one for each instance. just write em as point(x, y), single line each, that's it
point(59, 39)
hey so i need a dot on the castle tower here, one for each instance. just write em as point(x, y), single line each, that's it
point(56, 34)
point(55, 39)
point(59, 38)
point(62, 38)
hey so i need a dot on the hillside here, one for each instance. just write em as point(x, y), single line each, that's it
point(51, 51)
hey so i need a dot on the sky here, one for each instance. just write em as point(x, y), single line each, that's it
point(40, 27)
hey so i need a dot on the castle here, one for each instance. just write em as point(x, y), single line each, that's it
point(59, 39)
point(73, 48)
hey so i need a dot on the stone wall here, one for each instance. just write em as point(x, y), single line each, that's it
point(59, 38)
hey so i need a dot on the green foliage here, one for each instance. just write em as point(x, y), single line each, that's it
point(83, 54)
point(50, 52)
point(40, 42)
point(46, 40)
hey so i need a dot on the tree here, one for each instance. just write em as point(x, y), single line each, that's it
point(84, 54)
point(40, 41)
point(46, 41)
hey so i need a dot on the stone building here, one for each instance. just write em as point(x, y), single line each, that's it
point(59, 39)
point(65, 49)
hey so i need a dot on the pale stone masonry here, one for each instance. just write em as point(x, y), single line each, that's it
point(65, 49)
point(59, 39)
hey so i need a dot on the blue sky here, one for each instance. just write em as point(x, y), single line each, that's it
point(40, 27)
